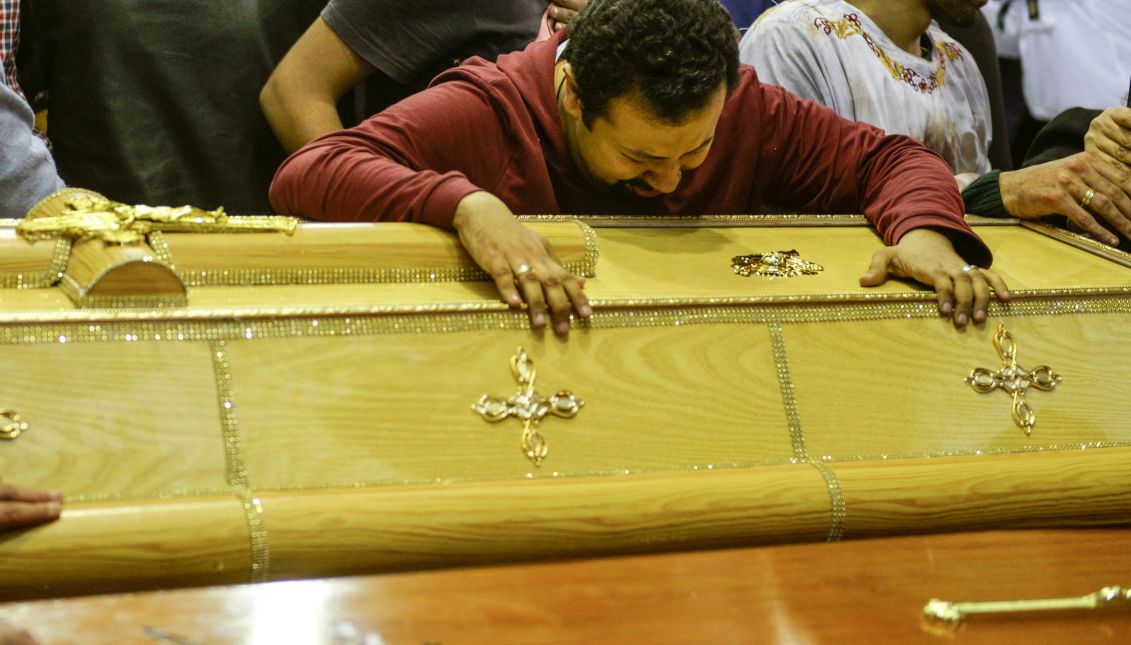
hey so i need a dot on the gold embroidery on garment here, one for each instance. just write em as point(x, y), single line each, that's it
point(945, 52)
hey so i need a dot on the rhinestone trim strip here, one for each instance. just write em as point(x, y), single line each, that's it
point(236, 468)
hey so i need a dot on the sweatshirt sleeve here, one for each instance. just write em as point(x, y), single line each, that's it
point(412, 162)
point(821, 162)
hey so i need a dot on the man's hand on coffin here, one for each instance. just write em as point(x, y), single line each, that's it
point(928, 256)
point(563, 11)
point(520, 261)
point(21, 506)
point(1082, 187)
point(1109, 137)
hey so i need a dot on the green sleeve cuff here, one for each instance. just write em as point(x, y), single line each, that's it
point(983, 196)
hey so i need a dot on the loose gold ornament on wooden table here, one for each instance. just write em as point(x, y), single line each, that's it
point(774, 264)
point(954, 612)
point(530, 406)
point(1013, 379)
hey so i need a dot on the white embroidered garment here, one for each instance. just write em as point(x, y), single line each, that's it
point(832, 53)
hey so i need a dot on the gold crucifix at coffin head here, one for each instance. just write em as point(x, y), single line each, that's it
point(79, 214)
point(528, 405)
point(1013, 379)
point(110, 261)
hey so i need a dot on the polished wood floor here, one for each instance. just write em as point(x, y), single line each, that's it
point(864, 591)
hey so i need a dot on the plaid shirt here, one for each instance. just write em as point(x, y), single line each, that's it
point(9, 41)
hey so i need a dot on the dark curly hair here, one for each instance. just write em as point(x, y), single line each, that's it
point(672, 53)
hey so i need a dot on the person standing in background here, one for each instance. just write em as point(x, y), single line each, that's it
point(1071, 54)
point(392, 49)
point(154, 101)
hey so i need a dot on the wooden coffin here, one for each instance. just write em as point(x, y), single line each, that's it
point(305, 407)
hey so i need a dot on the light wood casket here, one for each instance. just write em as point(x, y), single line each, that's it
point(303, 407)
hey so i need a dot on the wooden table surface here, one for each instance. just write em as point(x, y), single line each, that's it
point(865, 591)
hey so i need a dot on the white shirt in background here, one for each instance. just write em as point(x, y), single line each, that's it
point(832, 53)
point(1075, 53)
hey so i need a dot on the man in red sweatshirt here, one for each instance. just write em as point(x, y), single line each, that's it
point(644, 109)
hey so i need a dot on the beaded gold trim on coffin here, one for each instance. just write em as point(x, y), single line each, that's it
point(750, 221)
point(435, 317)
point(837, 506)
point(586, 267)
point(235, 466)
point(42, 280)
point(1081, 242)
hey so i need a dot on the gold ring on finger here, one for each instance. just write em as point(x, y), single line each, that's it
point(1088, 197)
point(522, 270)
point(969, 267)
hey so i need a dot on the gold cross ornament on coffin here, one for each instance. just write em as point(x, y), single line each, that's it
point(1013, 379)
point(529, 406)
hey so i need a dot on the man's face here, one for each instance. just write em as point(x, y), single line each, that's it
point(632, 153)
point(956, 12)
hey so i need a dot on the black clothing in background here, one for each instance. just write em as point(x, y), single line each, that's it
point(1062, 137)
point(156, 101)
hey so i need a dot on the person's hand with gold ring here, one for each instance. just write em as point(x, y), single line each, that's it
point(1087, 198)
point(926, 255)
point(1093, 194)
point(521, 263)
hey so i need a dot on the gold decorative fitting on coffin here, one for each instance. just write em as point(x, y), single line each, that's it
point(78, 215)
point(1013, 379)
point(528, 405)
point(774, 264)
point(11, 425)
point(954, 612)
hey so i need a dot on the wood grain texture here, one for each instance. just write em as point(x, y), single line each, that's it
point(129, 419)
point(106, 547)
point(348, 246)
point(397, 408)
point(918, 367)
point(102, 269)
point(414, 527)
point(1082, 488)
point(866, 591)
point(21, 256)
point(639, 263)
point(367, 456)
